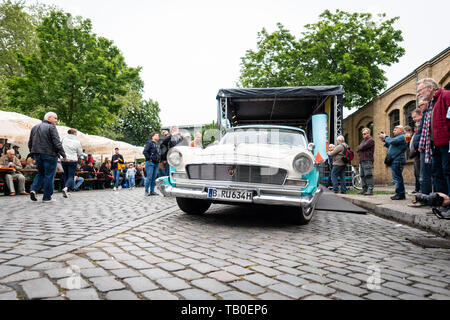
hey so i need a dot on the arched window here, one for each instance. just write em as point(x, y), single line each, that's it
point(370, 126)
point(408, 109)
point(394, 120)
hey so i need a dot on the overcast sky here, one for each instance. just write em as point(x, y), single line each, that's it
point(189, 49)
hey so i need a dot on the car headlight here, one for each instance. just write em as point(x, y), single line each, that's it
point(302, 164)
point(174, 158)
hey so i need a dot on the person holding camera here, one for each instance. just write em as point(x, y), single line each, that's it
point(365, 153)
point(395, 158)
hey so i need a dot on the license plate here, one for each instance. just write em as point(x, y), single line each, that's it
point(233, 195)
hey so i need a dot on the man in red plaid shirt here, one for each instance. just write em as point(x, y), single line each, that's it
point(435, 137)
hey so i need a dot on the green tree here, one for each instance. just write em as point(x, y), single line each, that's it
point(137, 120)
point(17, 35)
point(75, 73)
point(343, 48)
point(209, 133)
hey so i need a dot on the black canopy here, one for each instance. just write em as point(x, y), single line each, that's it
point(291, 92)
point(288, 105)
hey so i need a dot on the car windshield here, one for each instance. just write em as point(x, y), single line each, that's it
point(264, 136)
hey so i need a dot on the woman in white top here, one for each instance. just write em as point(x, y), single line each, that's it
point(72, 148)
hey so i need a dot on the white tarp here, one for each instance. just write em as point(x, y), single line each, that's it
point(16, 128)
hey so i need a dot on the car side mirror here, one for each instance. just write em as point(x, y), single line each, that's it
point(311, 147)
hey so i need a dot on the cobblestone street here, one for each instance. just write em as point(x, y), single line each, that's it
point(122, 245)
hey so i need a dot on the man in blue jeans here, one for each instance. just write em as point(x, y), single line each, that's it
point(117, 161)
point(339, 166)
point(396, 150)
point(152, 158)
point(45, 146)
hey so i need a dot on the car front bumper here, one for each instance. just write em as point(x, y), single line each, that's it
point(261, 195)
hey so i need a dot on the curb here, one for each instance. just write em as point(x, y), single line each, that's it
point(428, 223)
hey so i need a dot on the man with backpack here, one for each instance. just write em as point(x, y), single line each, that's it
point(339, 165)
point(365, 153)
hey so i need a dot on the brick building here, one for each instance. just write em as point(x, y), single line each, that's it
point(391, 108)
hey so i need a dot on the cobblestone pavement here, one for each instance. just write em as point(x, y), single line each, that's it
point(122, 245)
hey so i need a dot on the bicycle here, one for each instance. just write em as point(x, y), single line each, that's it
point(356, 180)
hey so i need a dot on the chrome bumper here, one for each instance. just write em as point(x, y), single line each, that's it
point(260, 198)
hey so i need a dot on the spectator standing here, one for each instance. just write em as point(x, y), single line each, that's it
point(365, 153)
point(168, 143)
point(117, 165)
point(152, 158)
point(10, 160)
point(329, 163)
point(396, 150)
point(197, 142)
point(73, 150)
point(131, 175)
point(426, 185)
point(414, 146)
point(436, 133)
point(45, 145)
point(338, 170)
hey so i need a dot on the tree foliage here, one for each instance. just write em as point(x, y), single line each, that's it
point(209, 133)
point(17, 36)
point(74, 73)
point(343, 48)
point(136, 120)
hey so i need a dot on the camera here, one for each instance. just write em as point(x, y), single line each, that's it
point(433, 199)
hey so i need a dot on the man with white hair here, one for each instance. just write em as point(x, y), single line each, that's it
point(435, 137)
point(338, 170)
point(45, 146)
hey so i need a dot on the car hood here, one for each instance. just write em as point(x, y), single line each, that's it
point(253, 150)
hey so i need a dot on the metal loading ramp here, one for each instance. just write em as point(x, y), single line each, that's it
point(328, 201)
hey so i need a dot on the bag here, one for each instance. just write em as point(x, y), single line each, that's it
point(348, 155)
point(412, 152)
point(388, 161)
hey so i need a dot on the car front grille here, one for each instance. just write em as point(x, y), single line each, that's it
point(237, 173)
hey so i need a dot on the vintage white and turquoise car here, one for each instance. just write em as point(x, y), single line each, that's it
point(259, 164)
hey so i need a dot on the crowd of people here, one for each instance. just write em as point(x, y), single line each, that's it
point(51, 157)
point(427, 143)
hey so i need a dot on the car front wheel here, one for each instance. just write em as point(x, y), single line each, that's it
point(193, 206)
point(303, 216)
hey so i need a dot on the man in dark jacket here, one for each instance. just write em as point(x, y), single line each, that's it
point(45, 145)
point(396, 150)
point(152, 158)
point(170, 141)
point(117, 165)
point(365, 153)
